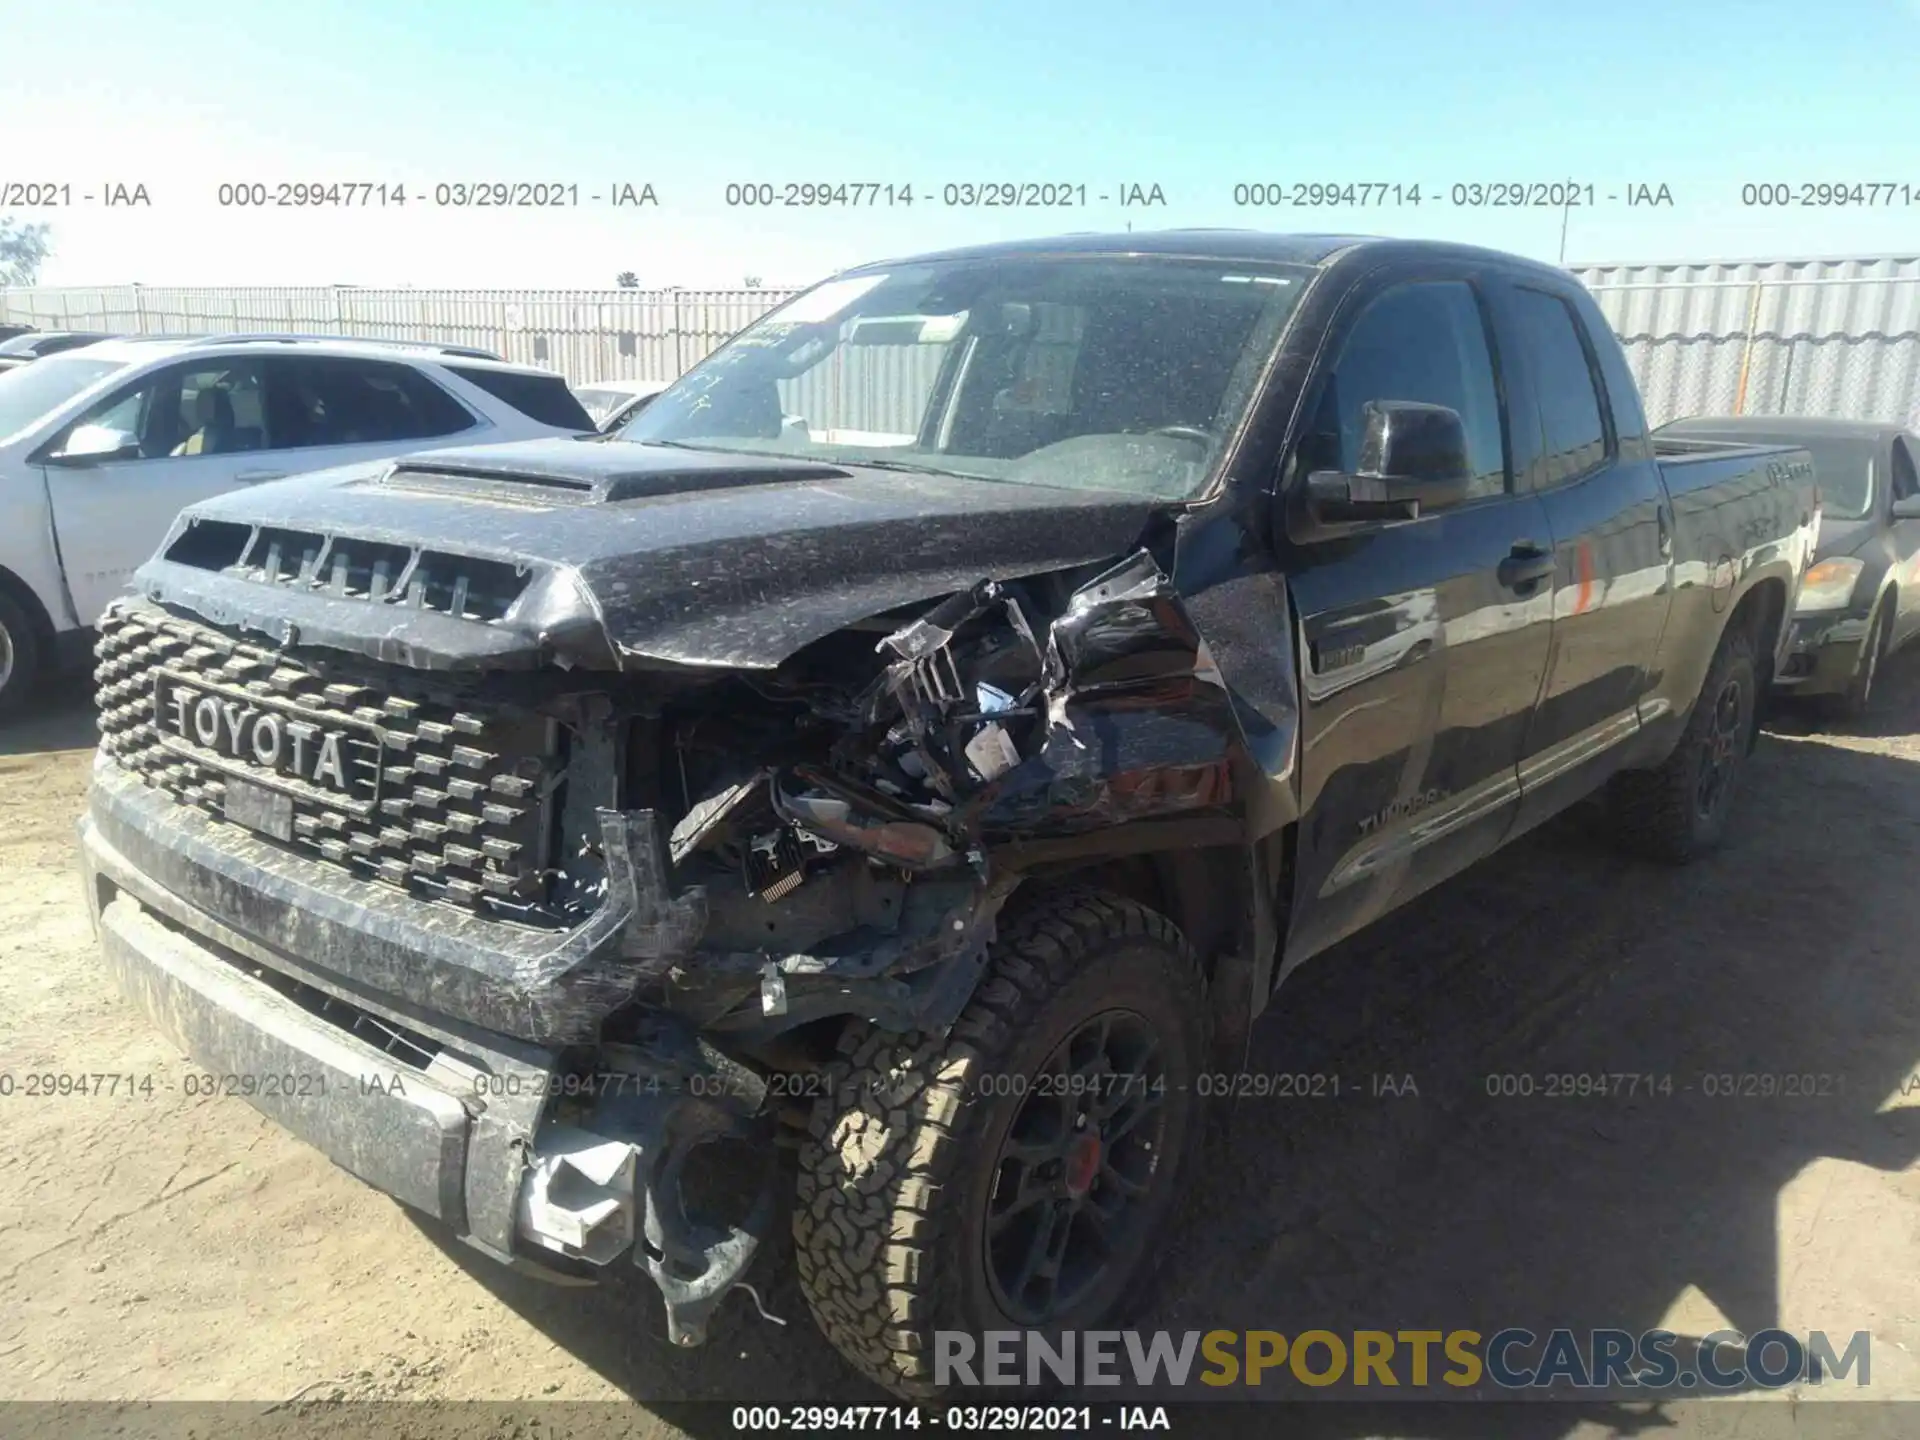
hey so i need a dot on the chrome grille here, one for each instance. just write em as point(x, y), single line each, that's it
point(440, 801)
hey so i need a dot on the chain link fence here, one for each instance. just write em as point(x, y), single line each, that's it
point(1838, 338)
point(1806, 337)
point(584, 334)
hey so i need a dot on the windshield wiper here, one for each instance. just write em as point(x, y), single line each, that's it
point(901, 466)
point(671, 444)
point(894, 465)
point(905, 468)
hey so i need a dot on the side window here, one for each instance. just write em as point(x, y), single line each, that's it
point(545, 398)
point(1905, 483)
point(327, 400)
point(1623, 391)
point(1574, 435)
point(1425, 342)
point(203, 408)
point(122, 413)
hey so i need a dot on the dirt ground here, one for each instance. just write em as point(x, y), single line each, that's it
point(164, 1247)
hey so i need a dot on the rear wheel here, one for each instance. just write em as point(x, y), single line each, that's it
point(1680, 810)
point(19, 655)
point(1852, 703)
point(1019, 1172)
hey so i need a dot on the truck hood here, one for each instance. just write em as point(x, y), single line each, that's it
point(610, 554)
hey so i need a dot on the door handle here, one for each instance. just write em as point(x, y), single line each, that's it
point(1525, 564)
point(258, 477)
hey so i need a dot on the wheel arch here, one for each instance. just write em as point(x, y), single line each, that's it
point(22, 595)
point(1219, 896)
point(1889, 596)
point(1763, 610)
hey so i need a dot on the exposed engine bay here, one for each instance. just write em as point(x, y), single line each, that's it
point(846, 818)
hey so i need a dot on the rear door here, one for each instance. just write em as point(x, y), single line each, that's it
point(1423, 642)
point(1581, 444)
point(191, 430)
point(340, 410)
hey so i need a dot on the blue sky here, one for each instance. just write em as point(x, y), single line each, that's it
point(1193, 97)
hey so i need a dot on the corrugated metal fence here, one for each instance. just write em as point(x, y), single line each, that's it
point(1818, 337)
point(584, 334)
point(1782, 337)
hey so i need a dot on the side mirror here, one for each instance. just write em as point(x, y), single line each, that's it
point(1413, 458)
point(95, 445)
point(1907, 509)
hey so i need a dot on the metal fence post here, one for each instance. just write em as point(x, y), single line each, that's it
point(139, 310)
point(1746, 354)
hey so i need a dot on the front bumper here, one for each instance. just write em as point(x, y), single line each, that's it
point(454, 1120)
point(1823, 651)
point(550, 988)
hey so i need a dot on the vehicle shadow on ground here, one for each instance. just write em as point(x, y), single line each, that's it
point(1458, 1208)
point(59, 717)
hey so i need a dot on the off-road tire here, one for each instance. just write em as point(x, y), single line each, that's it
point(1851, 704)
point(896, 1173)
point(1658, 813)
point(19, 655)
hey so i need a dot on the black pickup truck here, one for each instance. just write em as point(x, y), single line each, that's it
point(886, 780)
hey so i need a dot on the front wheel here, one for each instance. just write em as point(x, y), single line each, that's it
point(1018, 1172)
point(19, 656)
point(1680, 810)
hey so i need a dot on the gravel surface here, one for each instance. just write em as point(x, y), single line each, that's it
point(158, 1246)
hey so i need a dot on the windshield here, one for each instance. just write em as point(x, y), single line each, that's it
point(1843, 465)
point(1844, 469)
point(599, 404)
point(1109, 373)
point(28, 392)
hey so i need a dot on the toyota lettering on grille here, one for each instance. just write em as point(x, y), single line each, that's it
point(270, 741)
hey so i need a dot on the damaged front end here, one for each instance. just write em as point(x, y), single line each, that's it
point(629, 912)
point(848, 838)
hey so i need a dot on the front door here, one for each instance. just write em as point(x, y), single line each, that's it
point(1423, 642)
point(188, 431)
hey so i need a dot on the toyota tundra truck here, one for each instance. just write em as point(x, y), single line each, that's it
point(881, 784)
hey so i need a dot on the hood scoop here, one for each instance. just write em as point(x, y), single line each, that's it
point(346, 567)
point(548, 473)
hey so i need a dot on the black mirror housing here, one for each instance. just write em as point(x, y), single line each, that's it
point(1410, 444)
point(1413, 458)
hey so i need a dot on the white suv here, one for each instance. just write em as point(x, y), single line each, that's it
point(100, 447)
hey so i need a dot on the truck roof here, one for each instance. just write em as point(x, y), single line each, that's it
point(1254, 246)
